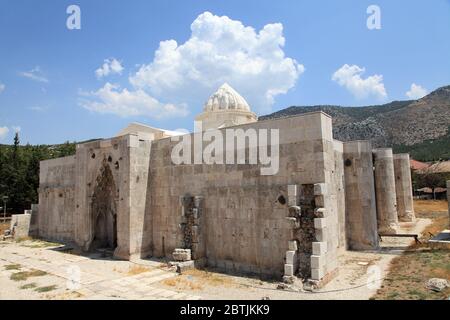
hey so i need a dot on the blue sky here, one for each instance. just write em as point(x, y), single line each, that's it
point(50, 89)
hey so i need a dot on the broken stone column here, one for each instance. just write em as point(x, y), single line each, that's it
point(403, 188)
point(361, 212)
point(385, 190)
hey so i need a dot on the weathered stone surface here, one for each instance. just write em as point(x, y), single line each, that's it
point(290, 257)
point(317, 274)
point(360, 200)
point(292, 245)
point(320, 189)
point(320, 223)
point(385, 191)
point(182, 254)
point(288, 269)
point(403, 188)
point(20, 225)
point(437, 284)
point(319, 248)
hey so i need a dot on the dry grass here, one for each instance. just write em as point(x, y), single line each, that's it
point(4, 226)
point(137, 270)
point(209, 278)
point(45, 289)
point(182, 283)
point(13, 267)
point(24, 275)
point(28, 286)
point(29, 242)
point(429, 206)
point(436, 210)
point(195, 279)
point(409, 272)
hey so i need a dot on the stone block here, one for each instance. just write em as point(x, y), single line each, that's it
point(290, 257)
point(292, 245)
point(321, 235)
point(317, 262)
point(292, 195)
point(320, 212)
point(319, 248)
point(320, 223)
point(182, 254)
point(320, 189)
point(320, 201)
point(317, 274)
point(292, 223)
point(288, 269)
point(195, 213)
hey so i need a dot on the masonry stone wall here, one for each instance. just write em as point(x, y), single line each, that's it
point(244, 221)
point(56, 199)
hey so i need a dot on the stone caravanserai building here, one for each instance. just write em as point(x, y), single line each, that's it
point(126, 194)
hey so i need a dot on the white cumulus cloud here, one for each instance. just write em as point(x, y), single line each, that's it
point(110, 66)
point(35, 74)
point(2, 87)
point(3, 132)
point(351, 78)
point(114, 100)
point(221, 50)
point(416, 92)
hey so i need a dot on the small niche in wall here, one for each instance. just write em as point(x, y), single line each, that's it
point(93, 156)
point(60, 195)
point(348, 162)
point(109, 159)
point(116, 165)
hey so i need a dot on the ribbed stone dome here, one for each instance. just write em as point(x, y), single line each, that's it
point(226, 98)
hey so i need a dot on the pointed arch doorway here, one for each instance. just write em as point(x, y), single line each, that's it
point(104, 211)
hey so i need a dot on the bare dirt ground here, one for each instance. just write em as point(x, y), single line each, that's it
point(33, 269)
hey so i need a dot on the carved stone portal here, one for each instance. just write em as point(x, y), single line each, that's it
point(103, 209)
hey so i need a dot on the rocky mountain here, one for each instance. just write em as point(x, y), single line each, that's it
point(399, 123)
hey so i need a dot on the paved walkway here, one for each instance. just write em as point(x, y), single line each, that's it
point(84, 277)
